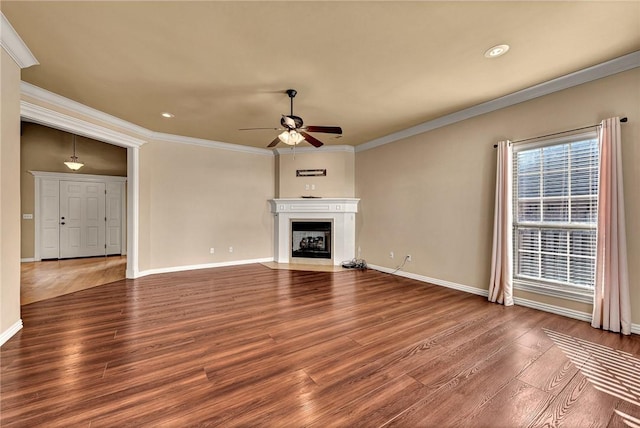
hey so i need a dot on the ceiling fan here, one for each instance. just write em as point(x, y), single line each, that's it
point(294, 130)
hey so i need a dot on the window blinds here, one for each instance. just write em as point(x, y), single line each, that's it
point(555, 210)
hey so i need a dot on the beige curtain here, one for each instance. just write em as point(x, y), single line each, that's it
point(500, 286)
point(612, 305)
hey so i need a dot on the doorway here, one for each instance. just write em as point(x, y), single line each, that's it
point(80, 234)
point(49, 120)
point(78, 215)
point(114, 134)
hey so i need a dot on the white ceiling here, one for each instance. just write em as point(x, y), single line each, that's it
point(373, 68)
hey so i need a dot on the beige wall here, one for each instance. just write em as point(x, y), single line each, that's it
point(9, 192)
point(339, 181)
point(432, 195)
point(45, 149)
point(194, 198)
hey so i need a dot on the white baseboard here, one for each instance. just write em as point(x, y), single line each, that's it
point(8, 333)
point(558, 310)
point(202, 266)
point(27, 260)
point(131, 273)
point(441, 282)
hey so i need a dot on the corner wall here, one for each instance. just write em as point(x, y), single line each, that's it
point(432, 195)
point(339, 161)
point(10, 321)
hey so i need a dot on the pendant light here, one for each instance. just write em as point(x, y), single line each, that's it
point(74, 164)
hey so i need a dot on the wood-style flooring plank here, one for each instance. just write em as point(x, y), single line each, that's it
point(578, 405)
point(462, 395)
point(550, 373)
point(375, 408)
point(253, 346)
point(516, 405)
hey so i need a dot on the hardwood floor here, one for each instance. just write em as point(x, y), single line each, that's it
point(254, 346)
point(52, 278)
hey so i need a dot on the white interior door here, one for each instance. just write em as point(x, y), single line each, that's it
point(82, 219)
point(50, 219)
point(114, 202)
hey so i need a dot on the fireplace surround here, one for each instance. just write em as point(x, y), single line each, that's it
point(339, 213)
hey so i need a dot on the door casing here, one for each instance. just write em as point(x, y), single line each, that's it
point(47, 216)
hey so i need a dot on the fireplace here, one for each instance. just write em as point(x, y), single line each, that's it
point(328, 224)
point(311, 239)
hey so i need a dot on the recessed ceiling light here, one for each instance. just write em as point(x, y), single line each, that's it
point(167, 115)
point(496, 51)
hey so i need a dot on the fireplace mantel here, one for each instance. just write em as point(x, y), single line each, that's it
point(317, 205)
point(341, 211)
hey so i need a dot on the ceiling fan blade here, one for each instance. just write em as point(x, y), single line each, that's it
point(312, 140)
point(327, 129)
point(255, 129)
point(274, 142)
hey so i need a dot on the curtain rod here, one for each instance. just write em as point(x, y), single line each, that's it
point(623, 120)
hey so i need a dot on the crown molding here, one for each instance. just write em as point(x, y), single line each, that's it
point(605, 69)
point(171, 138)
point(38, 94)
point(13, 44)
point(48, 97)
point(44, 116)
point(289, 150)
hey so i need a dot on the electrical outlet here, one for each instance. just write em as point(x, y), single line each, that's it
point(212, 250)
point(359, 252)
point(231, 249)
point(391, 255)
point(306, 187)
point(409, 257)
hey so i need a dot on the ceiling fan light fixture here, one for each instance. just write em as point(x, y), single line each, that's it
point(291, 137)
point(294, 130)
point(496, 51)
point(74, 163)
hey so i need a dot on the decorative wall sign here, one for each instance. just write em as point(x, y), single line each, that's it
point(311, 172)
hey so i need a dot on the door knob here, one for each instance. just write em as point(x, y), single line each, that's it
point(62, 222)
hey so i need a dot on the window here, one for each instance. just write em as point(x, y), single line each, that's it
point(555, 215)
